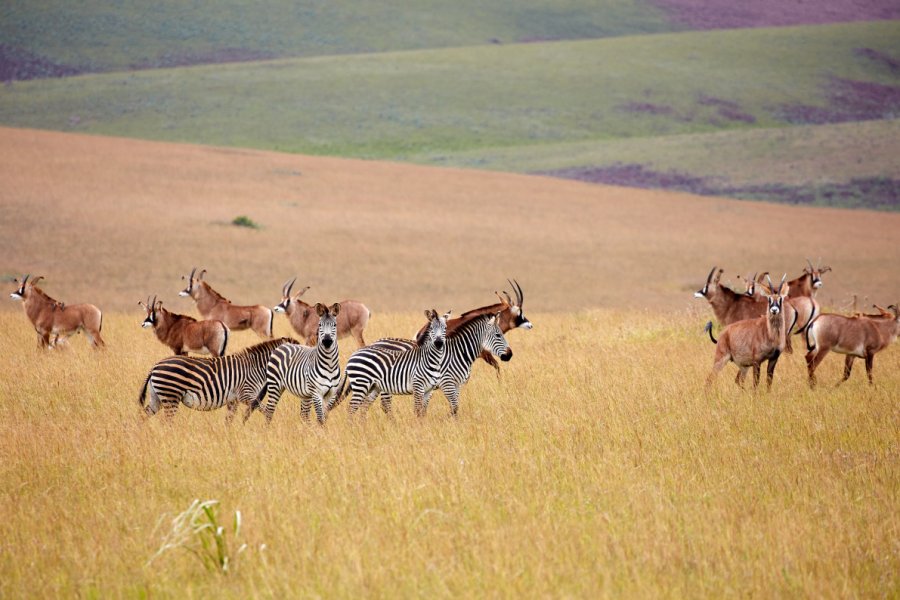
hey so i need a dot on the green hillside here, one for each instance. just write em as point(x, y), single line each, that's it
point(398, 105)
point(100, 35)
point(709, 105)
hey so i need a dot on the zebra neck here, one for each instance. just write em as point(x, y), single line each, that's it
point(327, 357)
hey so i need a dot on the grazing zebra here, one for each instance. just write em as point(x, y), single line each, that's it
point(416, 370)
point(208, 383)
point(464, 346)
point(311, 373)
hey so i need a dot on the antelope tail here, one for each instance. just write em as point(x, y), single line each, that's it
point(708, 329)
point(225, 341)
point(809, 346)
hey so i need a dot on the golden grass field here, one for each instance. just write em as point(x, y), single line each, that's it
point(595, 466)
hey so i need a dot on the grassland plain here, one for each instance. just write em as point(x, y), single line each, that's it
point(595, 466)
point(111, 220)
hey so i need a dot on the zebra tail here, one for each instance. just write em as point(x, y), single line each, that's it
point(708, 329)
point(143, 393)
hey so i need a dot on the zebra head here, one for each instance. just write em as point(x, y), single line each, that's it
point(436, 332)
point(327, 323)
point(495, 341)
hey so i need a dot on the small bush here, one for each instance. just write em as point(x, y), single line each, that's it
point(245, 221)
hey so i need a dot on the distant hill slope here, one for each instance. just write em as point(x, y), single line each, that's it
point(451, 106)
point(110, 220)
point(55, 37)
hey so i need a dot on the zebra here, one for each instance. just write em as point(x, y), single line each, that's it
point(311, 373)
point(408, 370)
point(208, 383)
point(464, 346)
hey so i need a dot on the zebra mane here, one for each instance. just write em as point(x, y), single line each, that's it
point(464, 324)
point(265, 347)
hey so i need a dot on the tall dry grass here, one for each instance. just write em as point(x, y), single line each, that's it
point(595, 465)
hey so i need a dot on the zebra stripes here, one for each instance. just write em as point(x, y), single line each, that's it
point(208, 383)
point(464, 346)
point(373, 371)
point(313, 374)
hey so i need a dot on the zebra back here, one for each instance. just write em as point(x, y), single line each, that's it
point(209, 383)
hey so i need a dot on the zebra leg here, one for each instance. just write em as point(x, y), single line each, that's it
point(452, 393)
point(170, 407)
point(319, 403)
point(232, 410)
point(305, 405)
point(272, 393)
point(386, 405)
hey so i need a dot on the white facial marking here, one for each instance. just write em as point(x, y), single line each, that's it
point(183, 294)
point(146, 324)
point(699, 295)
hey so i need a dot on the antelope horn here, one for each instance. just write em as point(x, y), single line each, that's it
point(191, 276)
point(769, 283)
point(521, 296)
point(515, 290)
point(286, 288)
point(508, 299)
point(154, 302)
point(709, 277)
point(24, 281)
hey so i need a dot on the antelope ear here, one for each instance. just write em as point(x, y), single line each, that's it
point(335, 309)
point(824, 270)
point(320, 309)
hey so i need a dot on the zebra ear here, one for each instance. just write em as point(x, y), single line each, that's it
point(335, 309)
point(320, 309)
point(446, 315)
point(431, 314)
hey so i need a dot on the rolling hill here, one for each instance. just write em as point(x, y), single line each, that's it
point(529, 103)
point(110, 220)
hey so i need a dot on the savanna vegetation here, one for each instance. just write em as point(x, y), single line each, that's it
point(595, 465)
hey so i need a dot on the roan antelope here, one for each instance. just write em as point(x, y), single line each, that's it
point(351, 320)
point(53, 318)
point(751, 342)
point(185, 334)
point(857, 337)
point(809, 282)
point(213, 306)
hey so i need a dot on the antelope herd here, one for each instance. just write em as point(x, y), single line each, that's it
point(758, 325)
point(440, 357)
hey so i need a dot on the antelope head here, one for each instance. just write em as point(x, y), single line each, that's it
point(151, 307)
point(815, 273)
point(189, 290)
point(775, 297)
point(704, 292)
point(19, 294)
point(286, 298)
point(515, 308)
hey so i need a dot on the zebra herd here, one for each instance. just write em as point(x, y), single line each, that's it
point(441, 357)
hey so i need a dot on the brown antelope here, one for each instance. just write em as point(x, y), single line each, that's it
point(857, 337)
point(213, 306)
point(185, 334)
point(730, 306)
point(53, 318)
point(351, 320)
point(509, 316)
point(808, 283)
point(751, 342)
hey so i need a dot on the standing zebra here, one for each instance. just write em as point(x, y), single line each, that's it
point(208, 383)
point(464, 346)
point(311, 373)
point(413, 370)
